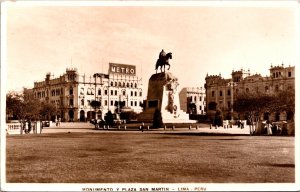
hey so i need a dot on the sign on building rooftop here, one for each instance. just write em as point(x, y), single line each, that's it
point(122, 69)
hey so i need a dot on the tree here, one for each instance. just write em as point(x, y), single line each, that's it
point(256, 104)
point(157, 119)
point(252, 103)
point(95, 104)
point(47, 110)
point(31, 108)
point(109, 119)
point(283, 101)
point(13, 103)
point(128, 115)
point(21, 107)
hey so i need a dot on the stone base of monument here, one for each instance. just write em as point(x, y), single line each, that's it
point(164, 96)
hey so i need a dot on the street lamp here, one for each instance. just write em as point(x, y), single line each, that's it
point(231, 84)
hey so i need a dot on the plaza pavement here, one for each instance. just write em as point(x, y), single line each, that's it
point(79, 127)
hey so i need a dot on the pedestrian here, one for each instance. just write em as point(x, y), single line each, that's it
point(56, 122)
point(29, 126)
point(26, 127)
point(142, 127)
point(242, 124)
point(59, 120)
point(269, 128)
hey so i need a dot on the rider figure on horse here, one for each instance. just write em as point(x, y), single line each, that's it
point(163, 60)
point(162, 55)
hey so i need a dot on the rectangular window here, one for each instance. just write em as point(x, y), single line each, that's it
point(105, 92)
point(213, 93)
point(135, 103)
point(228, 92)
point(116, 92)
point(111, 102)
point(290, 74)
point(200, 98)
point(111, 92)
point(105, 102)
point(131, 103)
point(71, 102)
point(99, 91)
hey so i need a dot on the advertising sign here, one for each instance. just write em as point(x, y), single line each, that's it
point(122, 69)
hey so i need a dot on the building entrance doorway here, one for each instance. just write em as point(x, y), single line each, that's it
point(71, 115)
point(82, 116)
point(91, 115)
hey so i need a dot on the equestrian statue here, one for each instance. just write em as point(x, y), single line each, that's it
point(163, 60)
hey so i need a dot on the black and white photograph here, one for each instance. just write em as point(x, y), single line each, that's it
point(149, 96)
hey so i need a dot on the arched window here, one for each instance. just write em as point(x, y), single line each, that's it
point(116, 84)
point(123, 84)
point(135, 85)
point(82, 101)
point(71, 91)
point(266, 89)
point(131, 85)
point(127, 84)
point(111, 83)
point(120, 84)
point(81, 91)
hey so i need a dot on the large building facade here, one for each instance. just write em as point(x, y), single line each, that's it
point(72, 93)
point(221, 93)
point(192, 100)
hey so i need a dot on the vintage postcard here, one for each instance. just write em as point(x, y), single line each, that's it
point(149, 95)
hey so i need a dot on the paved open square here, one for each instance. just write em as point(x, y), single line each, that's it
point(149, 157)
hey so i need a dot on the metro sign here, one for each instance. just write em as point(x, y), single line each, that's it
point(121, 69)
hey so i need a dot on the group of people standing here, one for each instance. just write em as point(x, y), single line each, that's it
point(27, 126)
point(271, 128)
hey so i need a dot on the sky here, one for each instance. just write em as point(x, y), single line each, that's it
point(204, 39)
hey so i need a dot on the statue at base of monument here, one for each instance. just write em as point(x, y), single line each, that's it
point(163, 60)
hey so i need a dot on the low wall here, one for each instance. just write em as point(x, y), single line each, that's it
point(17, 128)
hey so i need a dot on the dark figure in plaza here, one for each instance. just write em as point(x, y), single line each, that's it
point(218, 121)
point(163, 60)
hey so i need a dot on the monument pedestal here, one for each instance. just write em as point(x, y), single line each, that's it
point(164, 96)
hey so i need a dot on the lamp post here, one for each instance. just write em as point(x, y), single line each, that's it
point(95, 76)
point(119, 105)
point(231, 84)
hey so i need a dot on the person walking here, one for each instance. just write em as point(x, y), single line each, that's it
point(142, 127)
point(269, 128)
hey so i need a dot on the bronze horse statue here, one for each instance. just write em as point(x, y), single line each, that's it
point(163, 62)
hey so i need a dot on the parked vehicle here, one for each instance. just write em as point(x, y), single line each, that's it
point(46, 123)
